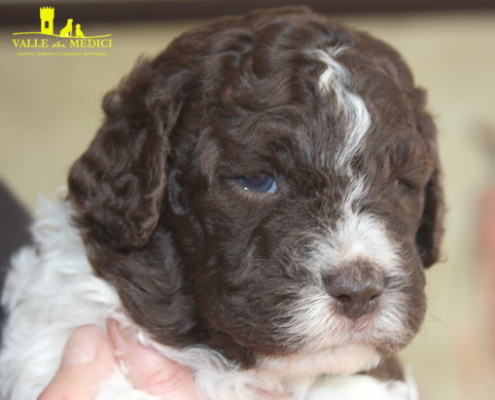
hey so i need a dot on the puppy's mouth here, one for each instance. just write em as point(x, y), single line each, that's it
point(346, 346)
point(335, 341)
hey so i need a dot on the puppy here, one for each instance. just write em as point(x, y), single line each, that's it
point(260, 205)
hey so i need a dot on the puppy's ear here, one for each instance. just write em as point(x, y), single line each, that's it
point(117, 185)
point(430, 232)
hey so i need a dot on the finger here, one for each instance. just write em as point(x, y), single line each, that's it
point(150, 371)
point(88, 359)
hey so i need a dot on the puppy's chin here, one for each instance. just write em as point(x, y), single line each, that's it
point(342, 359)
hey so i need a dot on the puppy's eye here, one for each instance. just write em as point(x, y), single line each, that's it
point(258, 183)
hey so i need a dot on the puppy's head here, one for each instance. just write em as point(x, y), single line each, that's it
point(268, 187)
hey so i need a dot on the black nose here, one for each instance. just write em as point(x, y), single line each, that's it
point(357, 292)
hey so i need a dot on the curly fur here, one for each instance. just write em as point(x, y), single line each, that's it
point(237, 285)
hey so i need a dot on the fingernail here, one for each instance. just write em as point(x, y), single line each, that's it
point(82, 346)
point(120, 335)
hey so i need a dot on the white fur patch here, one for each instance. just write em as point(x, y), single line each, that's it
point(352, 107)
point(49, 291)
point(356, 387)
point(356, 237)
point(340, 359)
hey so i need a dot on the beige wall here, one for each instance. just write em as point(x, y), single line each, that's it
point(49, 111)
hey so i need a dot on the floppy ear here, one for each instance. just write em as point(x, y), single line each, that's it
point(430, 232)
point(117, 185)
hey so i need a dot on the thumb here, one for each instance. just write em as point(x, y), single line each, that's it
point(149, 370)
point(87, 361)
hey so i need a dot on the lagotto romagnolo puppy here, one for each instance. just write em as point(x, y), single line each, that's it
point(260, 205)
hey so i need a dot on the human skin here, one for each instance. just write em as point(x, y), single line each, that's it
point(89, 358)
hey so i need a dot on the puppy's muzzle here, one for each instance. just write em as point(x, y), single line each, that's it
point(356, 289)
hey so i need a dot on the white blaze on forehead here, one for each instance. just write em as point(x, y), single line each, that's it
point(357, 235)
point(352, 107)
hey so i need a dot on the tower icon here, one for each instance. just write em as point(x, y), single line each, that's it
point(47, 15)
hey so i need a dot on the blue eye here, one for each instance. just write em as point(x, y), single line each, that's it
point(259, 183)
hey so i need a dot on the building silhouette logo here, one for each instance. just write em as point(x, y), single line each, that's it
point(68, 40)
point(47, 15)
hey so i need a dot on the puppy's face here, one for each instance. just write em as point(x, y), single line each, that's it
point(268, 187)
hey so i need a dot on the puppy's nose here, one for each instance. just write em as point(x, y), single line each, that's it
point(357, 293)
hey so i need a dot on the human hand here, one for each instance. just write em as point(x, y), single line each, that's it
point(89, 359)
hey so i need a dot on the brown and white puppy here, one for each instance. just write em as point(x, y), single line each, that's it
point(260, 203)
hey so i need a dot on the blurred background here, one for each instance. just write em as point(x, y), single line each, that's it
point(50, 110)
